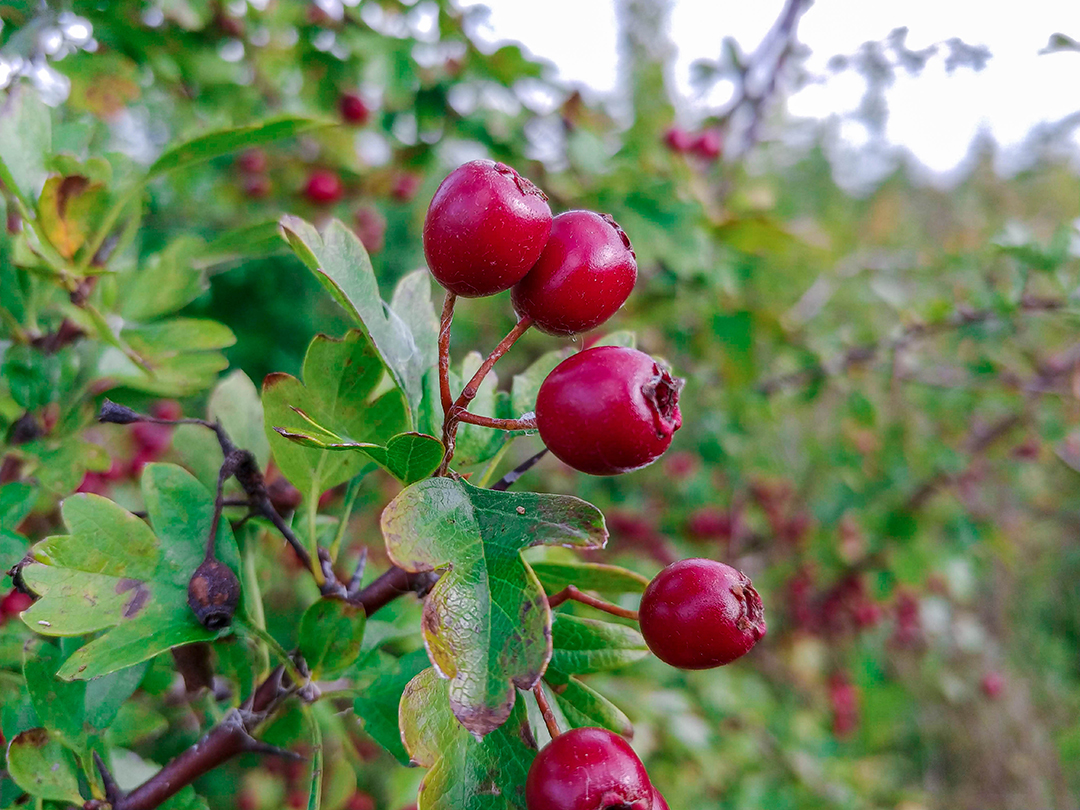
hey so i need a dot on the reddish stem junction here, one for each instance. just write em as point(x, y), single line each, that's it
point(457, 411)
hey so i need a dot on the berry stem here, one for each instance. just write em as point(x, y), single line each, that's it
point(570, 592)
point(459, 409)
point(545, 709)
point(468, 393)
point(444, 352)
point(499, 424)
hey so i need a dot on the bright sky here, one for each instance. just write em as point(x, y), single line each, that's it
point(934, 115)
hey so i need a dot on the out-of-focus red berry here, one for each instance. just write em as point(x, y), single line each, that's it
point(678, 140)
point(323, 187)
point(360, 801)
point(708, 145)
point(94, 483)
point(406, 184)
point(14, 603)
point(353, 109)
point(370, 228)
point(992, 684)
point(152, 439)
point(844, 702)
point(709, 523)
point(681, 464)
point(256, 186)
point(252, 160)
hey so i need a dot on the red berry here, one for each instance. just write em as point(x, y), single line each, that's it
point(166, 409)
point(256, 187)
point(14, 603)
point(153, 439)
point(679, 140)
point(709, 523)
point(658, 801)
point(252, 160)
point(323, 187)
point(405, 186)
point(584, 274)
point(681, 465)
point(484, 229)
point(588, 769)
point(360, 801)
point(608, 410)
point(698, 614)
point(353, 109)
point(708, 145)
point(992, 684)
point(370, 227)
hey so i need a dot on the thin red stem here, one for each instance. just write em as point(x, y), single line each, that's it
point(444, 351)
point(498, 424)
point(455, 414)
point(545, 709)
point(570, 592)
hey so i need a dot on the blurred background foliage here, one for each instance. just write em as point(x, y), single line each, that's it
point(881, 419)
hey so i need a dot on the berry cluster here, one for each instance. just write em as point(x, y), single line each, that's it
point(707, 144)
point(605, 410)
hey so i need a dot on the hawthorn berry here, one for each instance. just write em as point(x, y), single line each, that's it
point(588, 769)
point(485, 228)
point(708, 145)
point(252, 160)
point(608, 410)
point(323, 187)
point(353, 109)
point(658, 801)
point(14, 603)
point(678, 140)
point(585, 273)
point(699, 614)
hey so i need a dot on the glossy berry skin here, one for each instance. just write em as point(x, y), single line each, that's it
point(588, 769)
point(484, 229)
point(699, 614)
point(323, 187)
point(353, 109)
point(14, 603)
point(608, 410)
point(585, 273)
point(658, 801)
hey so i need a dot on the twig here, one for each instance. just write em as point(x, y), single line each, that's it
point(455, 414)
point(525, 423)
point(232, 735)
point(570, 592)
point(545, 709)
point(444, 352)
point(507, 480)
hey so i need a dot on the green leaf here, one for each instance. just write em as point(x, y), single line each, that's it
point(32, 377)
point(409, 457)
point(555, 576)
point(16, 501)
point(582, 646)
point(235, 403)
point(113, 573)
point(69, 210)
point(342, 266)
point(377, 706)
point(412, 303)
point(524, 386)
point(331, 634)
point(215, 144)
point(166, 282)
point(43, 767)
point(464, 773)
point(584, 708)
point(60, 705)
point(486, 622)
point(25, 143)
point(346, 389)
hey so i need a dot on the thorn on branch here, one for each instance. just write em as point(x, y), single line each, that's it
point(507, 480)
